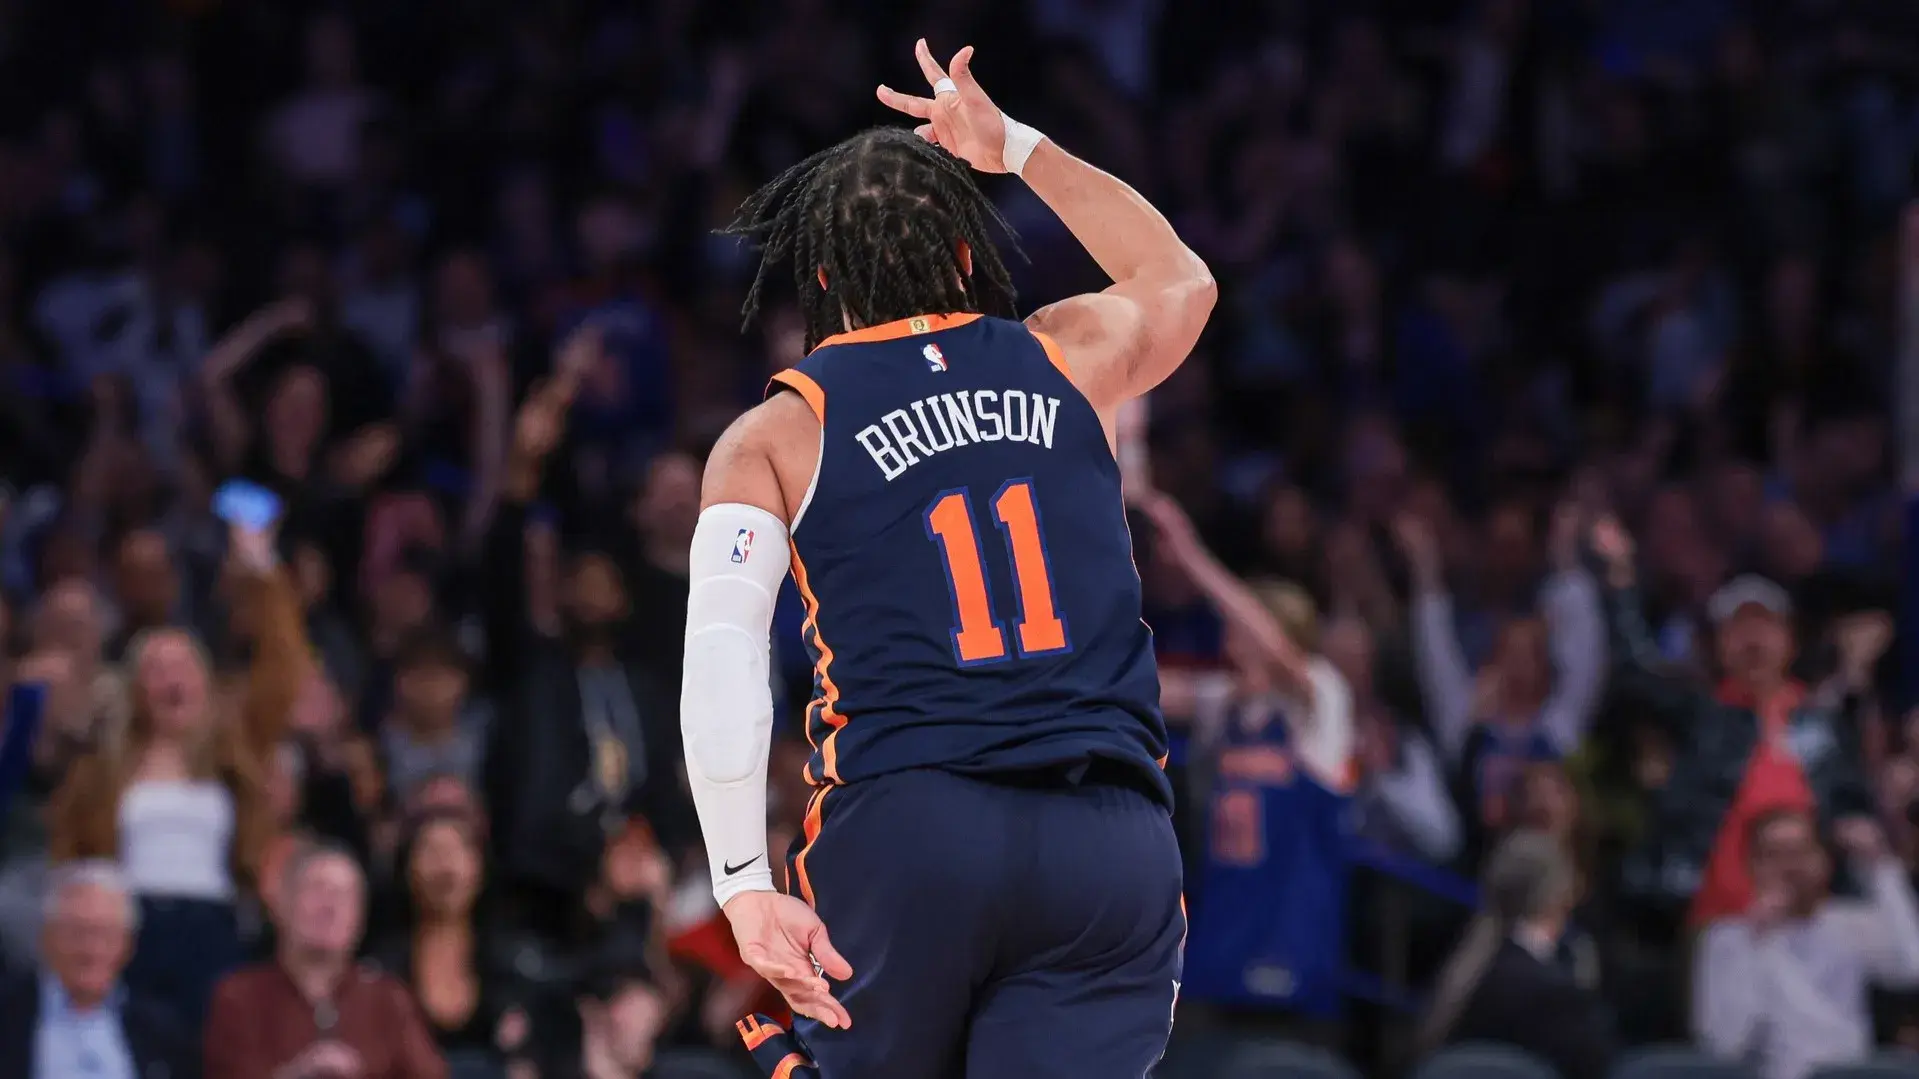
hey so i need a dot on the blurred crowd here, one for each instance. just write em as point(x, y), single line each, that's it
point(1547, 402)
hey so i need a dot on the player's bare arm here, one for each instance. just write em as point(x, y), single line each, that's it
point(755, 480)
point(1123, 341)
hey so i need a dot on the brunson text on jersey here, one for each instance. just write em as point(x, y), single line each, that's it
point(945, 421)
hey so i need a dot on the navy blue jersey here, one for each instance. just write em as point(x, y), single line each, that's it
point(963, 555)
point(1269, 927)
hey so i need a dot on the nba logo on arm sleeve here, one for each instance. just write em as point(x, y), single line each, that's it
point(743, 545)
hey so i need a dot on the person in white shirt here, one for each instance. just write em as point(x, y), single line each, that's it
point(176, 796)
point(1783, 988)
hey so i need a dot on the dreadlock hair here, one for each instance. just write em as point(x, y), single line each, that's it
point(882, 214)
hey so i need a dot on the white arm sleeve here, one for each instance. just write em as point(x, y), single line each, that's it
point(726, 708)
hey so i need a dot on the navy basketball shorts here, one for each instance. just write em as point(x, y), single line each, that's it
point(995, 930)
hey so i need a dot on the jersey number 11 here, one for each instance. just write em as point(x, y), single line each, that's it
point(977, 636)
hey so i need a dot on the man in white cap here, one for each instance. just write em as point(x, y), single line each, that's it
point(1758, 744)
point(1752, 624)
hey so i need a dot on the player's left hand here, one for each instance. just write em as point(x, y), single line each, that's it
point(780, 937)
point(963, 119)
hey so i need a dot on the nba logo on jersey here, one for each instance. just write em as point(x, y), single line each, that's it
point(743, 545)
point(935, 359)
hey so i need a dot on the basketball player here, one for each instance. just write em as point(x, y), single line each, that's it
point(988, 838)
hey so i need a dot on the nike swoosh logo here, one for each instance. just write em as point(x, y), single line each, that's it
point(732, 869)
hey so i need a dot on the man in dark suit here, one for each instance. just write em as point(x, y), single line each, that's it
point(72, 1017)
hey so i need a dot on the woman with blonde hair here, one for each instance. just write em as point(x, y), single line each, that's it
point(178, 796)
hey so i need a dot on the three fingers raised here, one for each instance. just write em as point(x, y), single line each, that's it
point(929, 67)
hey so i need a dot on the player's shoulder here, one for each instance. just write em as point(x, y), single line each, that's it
point(1089, 320)
point(761, 430)
point(752, 461)
point(1097, 336)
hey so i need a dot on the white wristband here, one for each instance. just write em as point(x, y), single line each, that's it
point(1021, 141)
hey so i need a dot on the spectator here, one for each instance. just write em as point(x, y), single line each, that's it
point(618, 1034)
point(585, 736)
point(1264, 658)
point(664, 515)
point(333, 789)
point(315, 137)
point(381, 301)
point(297, 402)
point(459, 397)
point(71, 622)
point(1783, 986)
point(23, 866)
point(401, 593)
point(310, 1012)
point(179, 795)
point(1545, 802)
point(148, 587)
point(1535, 697)
point(1503, 983)
point(440, 949)
point(1470, 255)
point(196, 541)
point(1402, 796)
point(227, 417)
point(434, 729)
point(24, 707)
point(74, 1017)
point(334, 636)
point(1760, 743)
point(1278, 799)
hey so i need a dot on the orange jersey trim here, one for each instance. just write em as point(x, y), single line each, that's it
point(801, 383)
point(754, 1033)
point(789, 1064)
point(829, 692)
point(1054, 353)
point(906, 327)
point(815, 814)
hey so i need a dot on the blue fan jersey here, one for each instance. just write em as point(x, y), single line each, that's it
point(971, 598)
point(1269, 927)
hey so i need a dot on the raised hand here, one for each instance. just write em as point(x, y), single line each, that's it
point(1862, 838)
point(1420, 545)
point(959, 116)
point(282, 316)
point(1862, 637)
point(578, 354)
point(780, 937)
point(253, 548)
point(366, 455)
point(1613, 544)
point(540, 423)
